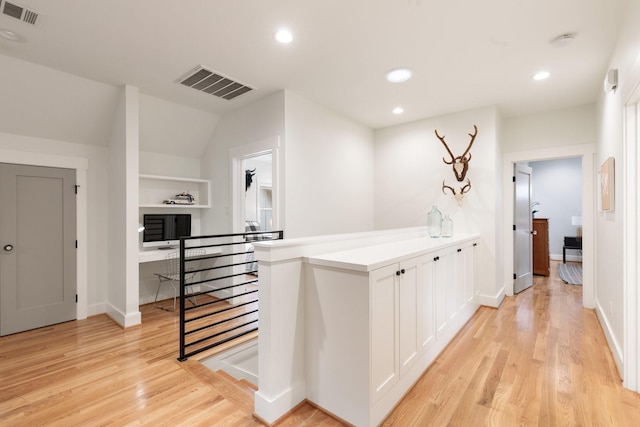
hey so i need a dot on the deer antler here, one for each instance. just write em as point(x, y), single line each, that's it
point(444, 187)
point(458, 196)
point(466, 188)
point(460, 163)
point(473, 138)
point(441, 138)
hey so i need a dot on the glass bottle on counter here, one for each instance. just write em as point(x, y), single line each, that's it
point(434, 222)
point(447, 226)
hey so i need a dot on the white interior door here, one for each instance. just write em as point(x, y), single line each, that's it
point(37, 254)
point(523, 239)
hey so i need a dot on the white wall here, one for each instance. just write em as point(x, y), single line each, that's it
point(260, 120)
point(174, 129)
point(612, 286)
point(50, 104)
point(408, 180)
point(557, 186)
point(550, 129)
point(329, 172)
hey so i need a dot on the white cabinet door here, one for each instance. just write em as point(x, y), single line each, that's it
point(452, 264)
point(446, 283)
point(440, 284)
point(425, 295)
point(411, 275)
point(384, 330)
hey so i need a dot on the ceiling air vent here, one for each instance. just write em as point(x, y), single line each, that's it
point(213, 83)
point(20, 12)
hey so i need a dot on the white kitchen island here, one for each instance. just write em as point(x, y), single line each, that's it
point(376, 317)
point(350, 322)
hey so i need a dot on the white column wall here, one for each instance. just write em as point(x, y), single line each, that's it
point(123, 288)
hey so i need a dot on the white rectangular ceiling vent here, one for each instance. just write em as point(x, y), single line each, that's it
point(213, 83)
point(17, 11)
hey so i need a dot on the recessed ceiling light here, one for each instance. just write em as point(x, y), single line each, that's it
point(541, 75)
point(11, 35)
point(399, 75)
point(283, 36)
point(398, 110)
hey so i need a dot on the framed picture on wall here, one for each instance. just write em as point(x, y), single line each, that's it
point(607, 185)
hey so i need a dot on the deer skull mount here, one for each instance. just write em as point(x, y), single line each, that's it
point(460, 163)
point(459, 196)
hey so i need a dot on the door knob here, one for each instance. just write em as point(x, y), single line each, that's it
point(8, 248)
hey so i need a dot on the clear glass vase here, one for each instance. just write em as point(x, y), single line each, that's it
point(447, 226)
point(434, 222)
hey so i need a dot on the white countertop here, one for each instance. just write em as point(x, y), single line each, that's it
point(372, 257)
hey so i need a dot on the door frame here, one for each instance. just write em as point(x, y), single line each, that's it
point(237, 155)
point(587, 153)
point(81, 166)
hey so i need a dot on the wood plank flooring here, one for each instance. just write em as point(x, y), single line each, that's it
point(540, 359)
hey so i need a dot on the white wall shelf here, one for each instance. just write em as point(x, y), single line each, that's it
point(154, 189)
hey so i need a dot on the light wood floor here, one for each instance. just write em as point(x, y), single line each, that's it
point(540, 359)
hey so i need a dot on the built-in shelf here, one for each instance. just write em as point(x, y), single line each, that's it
point(154, 189)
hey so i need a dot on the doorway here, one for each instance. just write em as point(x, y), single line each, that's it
point(246, 157)
point(586, 154)
point(258, 205)
point(38, 236)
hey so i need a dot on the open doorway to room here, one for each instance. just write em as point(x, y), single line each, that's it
point(258, 196)
point(584, 155)
point(255, 177)
point(556, 210)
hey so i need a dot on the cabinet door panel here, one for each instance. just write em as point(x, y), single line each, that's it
point(440, 279)
point(408, 297)
point(451, 265)
point(469, 285)
point(384, 330)
point(425, 295)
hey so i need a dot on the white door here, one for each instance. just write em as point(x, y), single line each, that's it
point(37, 247)
point(523, 241)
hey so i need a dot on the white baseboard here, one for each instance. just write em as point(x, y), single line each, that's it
point(122, 319)
point(94, 309)
point(491, 300)
point(271, 409)
point(614, 346)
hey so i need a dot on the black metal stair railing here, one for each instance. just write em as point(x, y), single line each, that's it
point(220, 302)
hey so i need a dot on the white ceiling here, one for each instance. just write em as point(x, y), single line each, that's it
point(465, 53)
